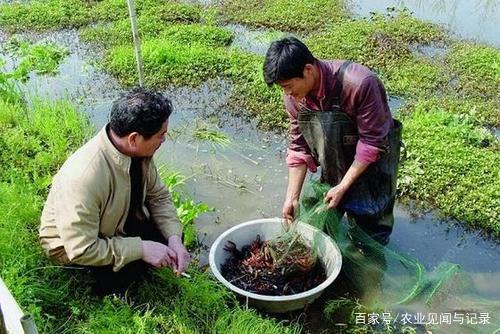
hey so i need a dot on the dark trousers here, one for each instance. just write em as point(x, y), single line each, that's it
point(378, 227)
point(108, 282)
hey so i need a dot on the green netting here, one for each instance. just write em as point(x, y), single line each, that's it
point(290, 253)
point(384, 279)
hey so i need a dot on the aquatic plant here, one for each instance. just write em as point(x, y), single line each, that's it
point(45, 15)
point(478, 69)
point(168, 10)
point(37, 58)
point(167, 62)
point(9, 87)
point(149, 27)
point(42, 15)
point(203, 133)
point(284, 15)
point(187, 209)
point(452, 164)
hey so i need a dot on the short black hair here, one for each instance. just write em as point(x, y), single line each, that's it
point(139, 110)
point(286, 59)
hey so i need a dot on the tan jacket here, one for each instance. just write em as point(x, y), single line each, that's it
point(84, 216)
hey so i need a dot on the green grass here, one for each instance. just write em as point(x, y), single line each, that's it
point(167, 62)
point(33, 145)
point(251, 94)
point(452, 164)
point(45, 15)
point(246, 321)
point(151, 27)
point(480, 112)
point(37, 58)
point(9, 86)
point(42, 15)
point(285, 15)
point(478, 69)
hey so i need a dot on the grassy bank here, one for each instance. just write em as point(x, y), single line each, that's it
point(35, 139)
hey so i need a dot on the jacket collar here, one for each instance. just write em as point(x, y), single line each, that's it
point(320, 94)
point(117, 157)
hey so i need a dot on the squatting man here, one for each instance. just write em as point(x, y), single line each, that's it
point(108, 209)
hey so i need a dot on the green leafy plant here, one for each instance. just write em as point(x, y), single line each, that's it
point(285, 15)
point(38, 58)
point(452, 164)
point(187, 209)
point(478, 68)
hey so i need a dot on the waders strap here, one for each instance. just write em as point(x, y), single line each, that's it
point(337, 89)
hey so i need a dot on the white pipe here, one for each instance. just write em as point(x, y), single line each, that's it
point(137, 41)
point(12, 313)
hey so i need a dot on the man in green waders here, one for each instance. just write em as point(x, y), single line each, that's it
point(339, 120)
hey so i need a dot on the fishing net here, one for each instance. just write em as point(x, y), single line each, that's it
point(291, 254)
point(384, 279)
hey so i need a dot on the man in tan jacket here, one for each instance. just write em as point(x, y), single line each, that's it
point(108, 208)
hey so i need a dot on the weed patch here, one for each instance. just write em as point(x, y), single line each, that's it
point(41, 15)
point(252, 94)
point(37, 58)
point(151, 27)
point(285, 15)
point(453, 165)
point(167, 63)
point(478, 68)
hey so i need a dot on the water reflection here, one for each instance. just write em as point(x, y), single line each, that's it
point(476, 19)
point(255, 41)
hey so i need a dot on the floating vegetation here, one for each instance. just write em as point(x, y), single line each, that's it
point(452, 164)
point(37, 58)
point(478, 69)
point(216, 138)
point(285, 15)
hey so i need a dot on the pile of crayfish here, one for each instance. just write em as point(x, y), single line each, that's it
point(273, 267)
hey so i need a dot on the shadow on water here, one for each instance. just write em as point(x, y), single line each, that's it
point(247, 179)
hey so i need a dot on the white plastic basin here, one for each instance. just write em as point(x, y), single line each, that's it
point(245, 233)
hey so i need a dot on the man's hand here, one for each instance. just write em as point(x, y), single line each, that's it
point(334, 195)
point(182, 257)
point(296, 176)
point(289, 208)
point(157, 254)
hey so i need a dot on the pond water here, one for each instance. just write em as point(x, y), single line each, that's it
point(476, 19)
point(247, 179)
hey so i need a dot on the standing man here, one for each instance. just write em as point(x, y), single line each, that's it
point(339, 120)
point(108, 208)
